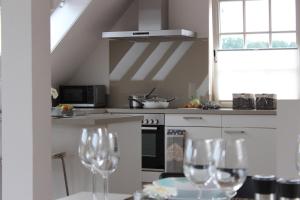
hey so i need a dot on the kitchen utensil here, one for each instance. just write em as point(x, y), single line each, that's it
point(156, 103)
point(149, 94)
point(266, 101)
point(243, 101)
point(135, 101)
point(264, 187)
point(153, 103)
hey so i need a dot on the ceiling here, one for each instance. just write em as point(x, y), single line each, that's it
point(84, 36)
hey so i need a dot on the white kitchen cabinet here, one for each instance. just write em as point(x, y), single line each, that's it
point(261, 148)
point(249, 121)
point(200, 132)
point(259, 131)
point(260, 135)
point(193, 120)
point(197, 126)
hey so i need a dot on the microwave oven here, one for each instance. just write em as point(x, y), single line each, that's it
point(83, 96)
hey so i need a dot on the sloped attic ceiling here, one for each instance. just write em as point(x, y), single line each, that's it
point(82, 39)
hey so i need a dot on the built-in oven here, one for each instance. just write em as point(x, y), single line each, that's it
point(153, 142)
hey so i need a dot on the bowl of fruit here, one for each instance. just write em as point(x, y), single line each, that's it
point(193, 103)
point(62, 110)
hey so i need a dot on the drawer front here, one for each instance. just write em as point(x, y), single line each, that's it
point(249, 121)
point(193, 120)
point(261, 148)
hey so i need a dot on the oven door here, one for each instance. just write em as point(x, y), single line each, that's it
point(153, 144)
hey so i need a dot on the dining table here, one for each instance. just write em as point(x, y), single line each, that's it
point(88, 195)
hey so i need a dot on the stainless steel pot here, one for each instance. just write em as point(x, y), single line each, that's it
point(136, 101)
point(155, 103)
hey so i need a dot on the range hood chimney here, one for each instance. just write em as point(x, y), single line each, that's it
point(153, 23)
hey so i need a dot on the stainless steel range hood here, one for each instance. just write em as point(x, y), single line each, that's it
point(153, 23)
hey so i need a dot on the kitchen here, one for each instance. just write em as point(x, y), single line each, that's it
point(180, 72)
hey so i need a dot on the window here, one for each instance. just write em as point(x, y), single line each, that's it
point(55, 4)
point(256, 48)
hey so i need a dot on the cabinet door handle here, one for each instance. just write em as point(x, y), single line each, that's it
point(188, 118)
point(235, 132)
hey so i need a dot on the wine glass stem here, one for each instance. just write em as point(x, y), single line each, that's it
point(199, 194)
point(105, 180)
point(93, 184)
point(230, 195)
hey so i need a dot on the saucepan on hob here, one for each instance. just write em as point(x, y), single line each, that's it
point(135, 100)
point(154, 103)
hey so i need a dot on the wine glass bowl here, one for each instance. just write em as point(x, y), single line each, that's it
point(107, 155)
point(99, 152)
point(198, 162)
point(86, 150)
point(230, 164)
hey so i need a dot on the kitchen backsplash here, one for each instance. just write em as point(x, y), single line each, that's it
point(175, 68)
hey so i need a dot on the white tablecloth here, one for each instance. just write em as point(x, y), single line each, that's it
point(88, 196)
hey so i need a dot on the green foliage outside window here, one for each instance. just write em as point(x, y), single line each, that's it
point(238, 43)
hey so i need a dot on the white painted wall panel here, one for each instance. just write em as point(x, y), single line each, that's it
point(288, 127)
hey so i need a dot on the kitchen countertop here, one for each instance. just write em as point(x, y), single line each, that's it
point(96, 119)
point(108, 115)
point(222, 111)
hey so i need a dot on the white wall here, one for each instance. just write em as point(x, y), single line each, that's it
point(189, 14)
point(62, 19)
point(288, 128)
point(26, 75)
point(95, 70)
point(82, 39)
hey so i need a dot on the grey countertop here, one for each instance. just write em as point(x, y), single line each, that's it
point(105, 115)
point(96, 119)
point(222, 111)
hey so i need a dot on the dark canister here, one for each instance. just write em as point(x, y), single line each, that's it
point(288, 189)
point(264, 187)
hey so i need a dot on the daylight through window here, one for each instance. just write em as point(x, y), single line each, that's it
point(256, 48)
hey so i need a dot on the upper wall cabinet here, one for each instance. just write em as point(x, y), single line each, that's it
point(190, 14)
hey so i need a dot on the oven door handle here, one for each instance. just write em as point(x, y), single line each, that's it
point(149, 128)
point(191, 118)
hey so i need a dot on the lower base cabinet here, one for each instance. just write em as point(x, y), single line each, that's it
point(199, 132)
point(261, 148)
point(259, 131)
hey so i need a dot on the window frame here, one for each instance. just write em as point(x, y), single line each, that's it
point(216, 35)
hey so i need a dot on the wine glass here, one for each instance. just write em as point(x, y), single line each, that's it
point(87, 151)
point(231, 164)
point(198, 162)
point(107, 156)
